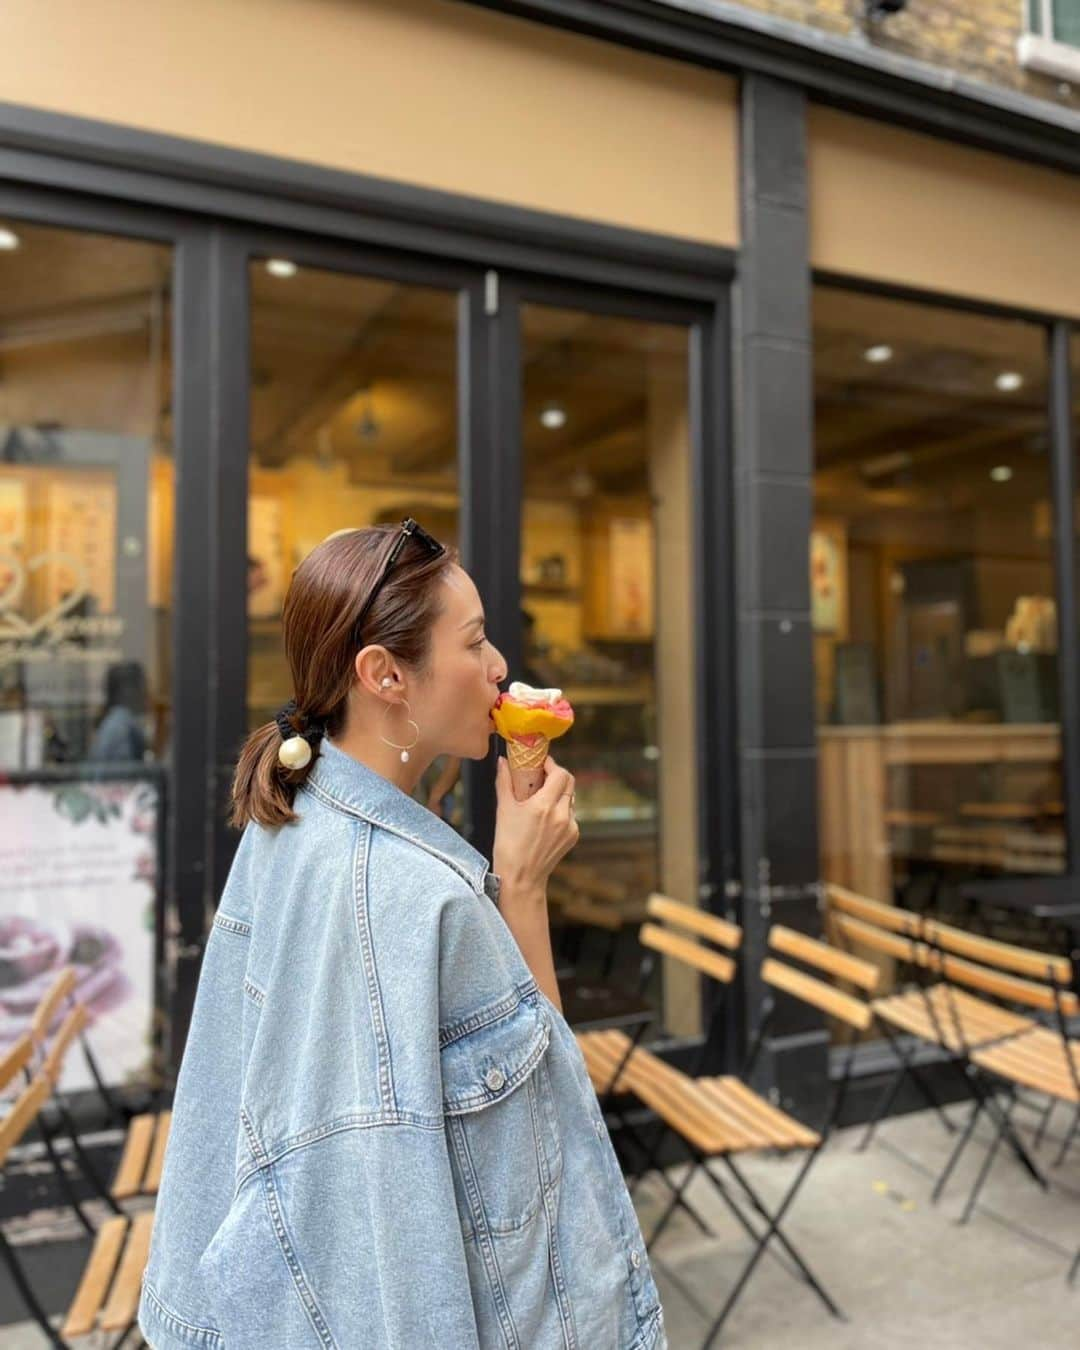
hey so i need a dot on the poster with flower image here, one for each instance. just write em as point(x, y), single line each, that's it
point(78, 877)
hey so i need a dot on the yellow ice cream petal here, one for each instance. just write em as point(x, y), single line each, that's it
point(512, 720)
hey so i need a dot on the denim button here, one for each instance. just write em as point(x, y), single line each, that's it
point(635, 1260)
point(494, 1078)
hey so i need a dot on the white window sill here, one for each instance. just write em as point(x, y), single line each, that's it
point(1049, 58)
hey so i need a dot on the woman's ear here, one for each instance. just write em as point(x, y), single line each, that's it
point(378, 672)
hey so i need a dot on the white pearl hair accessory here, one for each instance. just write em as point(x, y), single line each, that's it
point(295, 753)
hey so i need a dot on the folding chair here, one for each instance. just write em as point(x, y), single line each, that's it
point(146, 1134)
point(958, 1023)
point(714, 963)
point(722, 1117)
point(926, 1012)
point(1043, 1059)
point(108, 1294)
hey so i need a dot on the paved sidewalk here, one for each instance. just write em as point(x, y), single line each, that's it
point(905, 1273)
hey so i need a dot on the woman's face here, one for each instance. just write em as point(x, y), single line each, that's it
point(454, 698)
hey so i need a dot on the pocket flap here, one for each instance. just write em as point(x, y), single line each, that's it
point(486, 1064)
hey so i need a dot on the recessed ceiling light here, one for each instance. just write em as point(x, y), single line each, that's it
point(875, 355)
point(8, 239)
point(281, 267)
point(1009, 381)
point(552, 416)
point(1001, 473)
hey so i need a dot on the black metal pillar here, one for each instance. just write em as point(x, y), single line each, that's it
point(209, 625)
point(774, 495)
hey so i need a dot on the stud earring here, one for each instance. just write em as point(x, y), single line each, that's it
point(416, 730)
point(387, 682)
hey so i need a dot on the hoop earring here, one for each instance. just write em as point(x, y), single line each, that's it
point(416, 729)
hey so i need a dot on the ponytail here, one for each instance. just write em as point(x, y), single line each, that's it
point(263, 788)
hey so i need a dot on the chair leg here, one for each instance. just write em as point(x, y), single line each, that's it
point(1074, 1268)
point(884, 1102)
point(63, 1178)
point(770, 1232)
point(803, 1271)
point(648, 1166)
point(1004, 1121)
point(84, 1161)
point(954, 1157)
point(113, 1113)
point(673, 1204)
point(28, 1296)
point(987, 1163)
point(1069, 1137)
point(1040, 1134)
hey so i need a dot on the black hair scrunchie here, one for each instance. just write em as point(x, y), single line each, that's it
point(313, 733)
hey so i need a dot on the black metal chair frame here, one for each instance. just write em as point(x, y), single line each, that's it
point(49, 1136)
point(985, 1100)
point(761, 1238)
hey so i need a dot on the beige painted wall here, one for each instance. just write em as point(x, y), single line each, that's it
point(423, 91)
point(917, 211)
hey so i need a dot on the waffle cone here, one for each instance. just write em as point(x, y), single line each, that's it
point(527, 766)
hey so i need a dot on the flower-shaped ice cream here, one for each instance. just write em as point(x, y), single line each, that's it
point(529, 720)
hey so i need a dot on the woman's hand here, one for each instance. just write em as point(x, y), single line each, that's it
point(532, 837)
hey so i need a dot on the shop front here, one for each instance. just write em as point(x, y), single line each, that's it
point(759, 454)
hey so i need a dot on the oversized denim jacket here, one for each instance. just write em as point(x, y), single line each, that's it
point(383, 1132)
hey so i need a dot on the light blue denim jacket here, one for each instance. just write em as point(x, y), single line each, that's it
point(384, 1134)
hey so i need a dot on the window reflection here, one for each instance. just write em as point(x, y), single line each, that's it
point(605, 581)
point(86, 498)
point(353, 422)
point(933, 601)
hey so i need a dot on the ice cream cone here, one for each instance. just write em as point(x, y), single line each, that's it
point(527, 765)
point(528, 720)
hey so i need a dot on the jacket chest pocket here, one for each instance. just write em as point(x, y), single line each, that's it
point(501, 1121)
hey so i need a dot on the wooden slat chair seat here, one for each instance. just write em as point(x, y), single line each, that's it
point(1036, 1060)
point(718, 1114)
point(108, 1295)
point(139, 1171)
point(950, 1018)
point(981, 1037)
point(721, 1117)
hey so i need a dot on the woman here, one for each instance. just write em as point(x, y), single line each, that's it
point(383, 1132)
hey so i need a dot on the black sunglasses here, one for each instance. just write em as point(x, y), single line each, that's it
point(409, 530)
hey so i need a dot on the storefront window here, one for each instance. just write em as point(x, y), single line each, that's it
point(353, 422)
point(606, 612)
point(933, 601)
point(86, 550)
point(86, 498)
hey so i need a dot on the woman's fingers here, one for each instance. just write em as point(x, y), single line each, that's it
point(557, 783)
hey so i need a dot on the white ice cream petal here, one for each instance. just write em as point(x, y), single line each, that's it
point(525, 693)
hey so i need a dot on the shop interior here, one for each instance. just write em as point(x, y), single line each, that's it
point(933, 599)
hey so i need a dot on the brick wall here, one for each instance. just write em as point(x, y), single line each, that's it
point(976, 38)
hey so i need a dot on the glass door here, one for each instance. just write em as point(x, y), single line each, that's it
point(608, 615)
point(87, 475)
point(353, 422)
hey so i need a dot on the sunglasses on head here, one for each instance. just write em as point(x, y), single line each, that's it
point(409, 530)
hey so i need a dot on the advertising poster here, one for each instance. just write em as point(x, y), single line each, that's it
point(78, 875)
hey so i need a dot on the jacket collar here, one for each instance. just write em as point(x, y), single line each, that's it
point(343, 782)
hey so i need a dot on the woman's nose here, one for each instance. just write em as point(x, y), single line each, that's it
point(500, 669)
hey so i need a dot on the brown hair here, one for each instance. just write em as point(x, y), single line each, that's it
point(319, 617)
